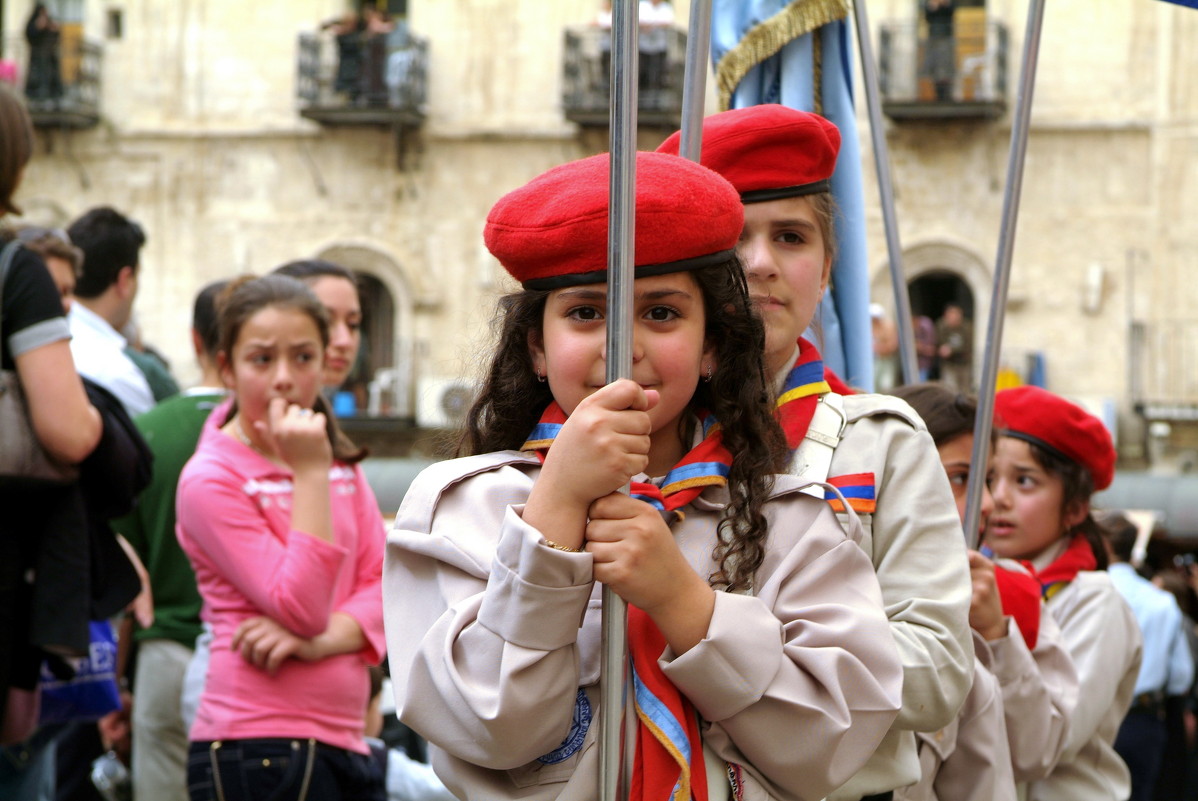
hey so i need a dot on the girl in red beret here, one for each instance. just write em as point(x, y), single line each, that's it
point(1051, 455)
point(873, 448)
point(1016, 641)
point(760, 650)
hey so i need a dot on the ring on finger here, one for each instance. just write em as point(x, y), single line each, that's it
point(305, 412)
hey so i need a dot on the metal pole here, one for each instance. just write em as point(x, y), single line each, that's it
point(694, 87)
point(877, 133)
point(615, 754)
point(1002, 270)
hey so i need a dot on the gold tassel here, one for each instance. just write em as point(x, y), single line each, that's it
point(766, 39)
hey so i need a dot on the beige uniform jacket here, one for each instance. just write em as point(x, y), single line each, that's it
point(915, 542)
point(968, 760)
point(491, 635)
point(1039, 690)
point(1103, 639)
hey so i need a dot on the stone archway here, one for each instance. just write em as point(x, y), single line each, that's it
point(945, 271)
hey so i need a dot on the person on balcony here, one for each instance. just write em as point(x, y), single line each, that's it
point(43, 85)
point(940, 58)
point(348, 29)
point(656, 18)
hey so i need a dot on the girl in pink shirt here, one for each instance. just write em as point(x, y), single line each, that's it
point(286, 540)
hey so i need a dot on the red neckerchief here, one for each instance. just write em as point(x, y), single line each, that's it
point(668, 762)
point(800, 393)
point(1076, 558)
point(1020, 596)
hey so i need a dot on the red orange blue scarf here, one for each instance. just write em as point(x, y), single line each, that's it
point(706, 465)
point(795, 408)
point(668, 763)
point(800, 393)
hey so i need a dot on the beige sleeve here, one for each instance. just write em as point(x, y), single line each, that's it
point(484, 656)
point(979, 768)
point(800, 682)
point(918, 551)
point(1039, 689)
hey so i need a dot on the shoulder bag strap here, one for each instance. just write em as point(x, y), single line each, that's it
point(6, 257)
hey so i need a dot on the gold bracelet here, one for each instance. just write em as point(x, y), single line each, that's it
point(557, 547)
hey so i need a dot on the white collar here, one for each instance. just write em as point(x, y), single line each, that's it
point(84, 318)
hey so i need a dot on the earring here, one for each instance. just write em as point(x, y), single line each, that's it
point(540, 377)
point(709, 371)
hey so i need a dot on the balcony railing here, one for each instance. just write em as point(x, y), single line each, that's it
point(61, 81)
point(1164, 369)
point(978, 84)
point(379, 79)
point(586, 70)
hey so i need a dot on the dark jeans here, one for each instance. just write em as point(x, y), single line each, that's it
point(1141, 744)
point(280, 770)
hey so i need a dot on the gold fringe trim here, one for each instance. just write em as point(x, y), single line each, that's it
point(766, 39)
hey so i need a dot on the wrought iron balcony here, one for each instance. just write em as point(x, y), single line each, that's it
point(60, 79)
point(359, 79)
point(586, 70)
point(977, 83)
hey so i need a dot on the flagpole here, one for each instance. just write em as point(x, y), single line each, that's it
point(877, 132)
point(694, 87)
point(1002, 270)
point(615, 749)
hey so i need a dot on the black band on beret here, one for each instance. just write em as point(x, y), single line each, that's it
point(763, 195)
point(646, 271)
point(1034, 440)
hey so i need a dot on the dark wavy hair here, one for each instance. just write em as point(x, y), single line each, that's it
point(246, 296)
point(511, 400)
point(1078, 486)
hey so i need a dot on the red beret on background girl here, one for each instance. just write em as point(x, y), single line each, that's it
point(874, 448)
point(1050, 457)
point(755, 623)
point(1017, 640)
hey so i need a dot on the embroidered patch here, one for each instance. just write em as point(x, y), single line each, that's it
point(858, 490)
point(578, 732)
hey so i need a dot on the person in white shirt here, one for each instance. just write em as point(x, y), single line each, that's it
point(104, 296)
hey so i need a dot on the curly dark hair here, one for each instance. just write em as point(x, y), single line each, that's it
point(511, 401)
point(1077, 487)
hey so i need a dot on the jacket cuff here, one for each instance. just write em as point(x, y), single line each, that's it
point(536, 596)
point(730, 668)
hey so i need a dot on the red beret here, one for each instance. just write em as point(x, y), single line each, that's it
point(768, 152)
point(1066, 429)
point(552, 231)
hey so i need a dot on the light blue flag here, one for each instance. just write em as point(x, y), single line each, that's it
point(787, 78)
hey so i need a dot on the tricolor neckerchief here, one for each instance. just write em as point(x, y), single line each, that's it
point(668, 762)
point(1076, 558)
point(800, 393)
point(706, 465)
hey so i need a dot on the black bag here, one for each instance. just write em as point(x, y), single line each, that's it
point(23, 460)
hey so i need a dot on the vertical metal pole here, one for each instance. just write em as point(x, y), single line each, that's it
point(877, 133)
point(616, 751)
point(1002, 270)
point(694, 87)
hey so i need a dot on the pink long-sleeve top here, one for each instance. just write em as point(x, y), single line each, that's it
point(234, 524)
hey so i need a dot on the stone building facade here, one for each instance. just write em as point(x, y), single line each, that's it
point(200, 138)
